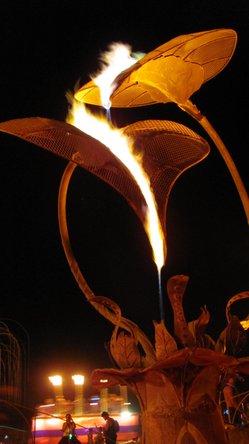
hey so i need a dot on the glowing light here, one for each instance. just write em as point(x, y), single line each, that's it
point(116, 59)
point(125, 415)
point(55, 380)
point(245, 324)
point(55, 422)
point(78, 379)
point(43, 425)
point(47, 423)
point(122, 147)
point(47, 405)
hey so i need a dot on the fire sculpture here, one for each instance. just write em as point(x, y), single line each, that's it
point(172, 73)
point(177, 380)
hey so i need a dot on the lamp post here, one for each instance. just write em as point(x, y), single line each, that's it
point(104, 397)
point(56, 382)
point(79, 396)
point(124, 396)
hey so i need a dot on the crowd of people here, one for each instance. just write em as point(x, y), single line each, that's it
point(105, 435)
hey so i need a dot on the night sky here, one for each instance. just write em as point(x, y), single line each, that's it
point(46, 49)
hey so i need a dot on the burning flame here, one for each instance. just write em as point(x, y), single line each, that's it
point(119, 58)
point(121, 146)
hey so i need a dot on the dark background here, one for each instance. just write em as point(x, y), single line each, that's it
point(46, 48)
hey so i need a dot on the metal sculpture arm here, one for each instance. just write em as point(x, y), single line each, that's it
point(105, 306)
point(172, 72)
point(191, 109)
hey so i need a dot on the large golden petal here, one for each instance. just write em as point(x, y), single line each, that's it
point(167, 148)
point(208, 52)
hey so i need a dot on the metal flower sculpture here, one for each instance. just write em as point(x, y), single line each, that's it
point(167, 149)
point(177, 379)
point(172, 73)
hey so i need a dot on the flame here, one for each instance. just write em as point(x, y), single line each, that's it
point(122, 147)
point(115, 60)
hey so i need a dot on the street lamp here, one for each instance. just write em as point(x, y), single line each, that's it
point(79, 397)
point(56, 382)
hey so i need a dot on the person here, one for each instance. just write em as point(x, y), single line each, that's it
point(68, 431)
point(110, 432)
point(234, 408)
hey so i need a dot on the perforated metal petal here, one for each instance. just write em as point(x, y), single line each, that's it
point(209, 50)
point(167, 149)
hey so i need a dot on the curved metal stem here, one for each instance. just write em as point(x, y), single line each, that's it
point(95, 301)
point(64, 231)
point(191, 109)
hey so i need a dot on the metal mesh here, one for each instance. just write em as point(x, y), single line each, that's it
point(211, 50)
point(167, 149)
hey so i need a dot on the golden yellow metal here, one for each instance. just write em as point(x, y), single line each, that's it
point(167, 148)
point(176, 380)
point(172, 73)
